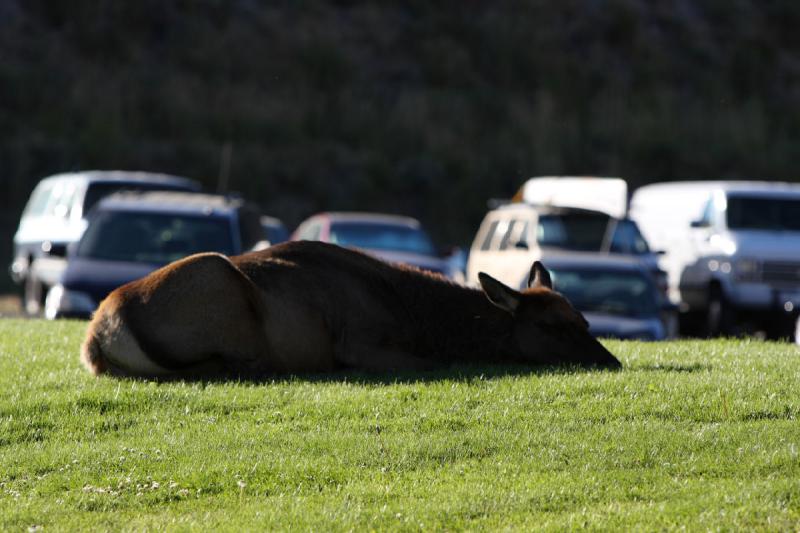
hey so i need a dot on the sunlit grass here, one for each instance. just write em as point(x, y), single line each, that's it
point(702, 435)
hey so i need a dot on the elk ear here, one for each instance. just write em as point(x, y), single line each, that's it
point(539, 276)
point(500, 295)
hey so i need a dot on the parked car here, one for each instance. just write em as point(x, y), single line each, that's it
point(131, 234)
point(397, 239)
point(513, 236)
point(55, 217)
point(616, 295)
point(732, 250)
point(274, 230)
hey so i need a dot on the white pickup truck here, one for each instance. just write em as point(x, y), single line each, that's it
point(732, 251)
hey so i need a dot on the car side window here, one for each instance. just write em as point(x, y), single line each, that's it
point(39, 199)
point(522, 236)
point(59, 201)
point(65, 201)
point(707, 219)
point(487, 239)
point(507, 240)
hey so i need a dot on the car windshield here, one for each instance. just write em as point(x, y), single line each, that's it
point(381, 236)
point(614, 292)
point(153, 237)
point(573, 231)
point(759, 213)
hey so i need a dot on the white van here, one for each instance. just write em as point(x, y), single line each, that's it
point(732, 250)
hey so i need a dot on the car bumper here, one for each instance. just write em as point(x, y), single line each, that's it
point(753, 296)
point(760, 296)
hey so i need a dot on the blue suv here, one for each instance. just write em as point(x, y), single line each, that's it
point(131, 234)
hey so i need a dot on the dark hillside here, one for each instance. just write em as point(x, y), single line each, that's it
point(419, 107)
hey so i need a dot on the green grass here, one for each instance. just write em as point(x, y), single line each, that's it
point(696, 435)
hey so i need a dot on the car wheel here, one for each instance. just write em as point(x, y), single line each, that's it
point(719, 315)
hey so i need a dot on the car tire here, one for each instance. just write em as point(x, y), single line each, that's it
point(719, 313)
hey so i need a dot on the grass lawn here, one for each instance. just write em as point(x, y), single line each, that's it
point(696, 435)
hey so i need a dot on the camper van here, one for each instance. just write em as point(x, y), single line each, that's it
point(732, 251)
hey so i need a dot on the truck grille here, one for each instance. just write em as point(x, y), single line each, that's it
point(783, 272)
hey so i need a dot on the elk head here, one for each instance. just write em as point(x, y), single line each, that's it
point(547, 329)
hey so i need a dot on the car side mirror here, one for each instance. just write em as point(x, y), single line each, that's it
point(522, 245)
point(699, 224)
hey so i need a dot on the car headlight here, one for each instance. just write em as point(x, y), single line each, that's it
point(61, 301)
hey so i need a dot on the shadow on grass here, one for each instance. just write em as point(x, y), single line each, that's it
point(464, 373)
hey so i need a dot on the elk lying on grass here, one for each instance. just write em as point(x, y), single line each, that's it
point(313, 307)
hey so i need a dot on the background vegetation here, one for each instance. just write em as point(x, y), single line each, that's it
point(425, 108)
point(698, 435)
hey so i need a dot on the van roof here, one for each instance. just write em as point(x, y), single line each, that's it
point(722, 185)
point(128, 176)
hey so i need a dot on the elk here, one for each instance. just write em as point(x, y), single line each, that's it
point(311, 307)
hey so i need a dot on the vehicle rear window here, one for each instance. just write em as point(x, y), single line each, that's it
point(153, 237)
point(759, 213)
point(379, 236)
point(572, 231)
